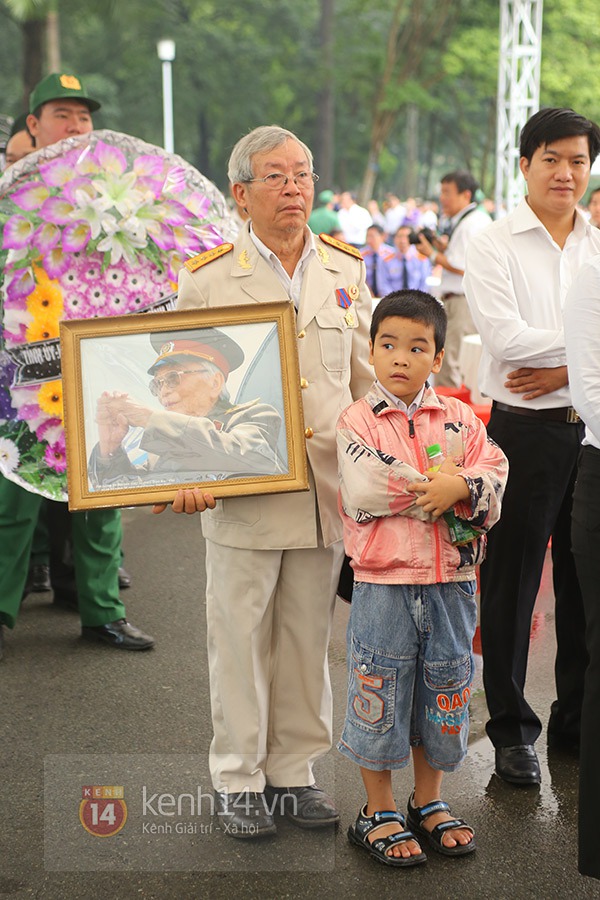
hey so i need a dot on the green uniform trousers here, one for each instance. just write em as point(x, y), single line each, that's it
point(96, 539)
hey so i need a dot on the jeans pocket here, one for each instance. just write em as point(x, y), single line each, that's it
point(448, 676)
point(371, 692)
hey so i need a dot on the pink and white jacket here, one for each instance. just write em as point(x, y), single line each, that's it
point(380, 452)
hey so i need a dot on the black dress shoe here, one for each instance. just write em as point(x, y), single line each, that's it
point(124, 579)
point(244, 815)
point(40, 578)
point(307, 806)
point(120, 634)
point(518, 764)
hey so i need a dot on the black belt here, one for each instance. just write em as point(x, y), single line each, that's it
point(559, 414)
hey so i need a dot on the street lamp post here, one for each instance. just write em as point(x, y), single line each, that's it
point(166, 54)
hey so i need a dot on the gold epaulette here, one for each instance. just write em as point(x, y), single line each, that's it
point(193, 264)
point(340, 245)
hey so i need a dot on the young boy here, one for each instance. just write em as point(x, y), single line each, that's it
point(413, 607)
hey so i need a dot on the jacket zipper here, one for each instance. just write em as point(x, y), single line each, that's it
point(435, 525)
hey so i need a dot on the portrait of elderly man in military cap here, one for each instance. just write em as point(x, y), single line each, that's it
point(198, 434)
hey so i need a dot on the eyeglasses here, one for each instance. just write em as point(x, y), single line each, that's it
point(277, 180)
point(172, 379)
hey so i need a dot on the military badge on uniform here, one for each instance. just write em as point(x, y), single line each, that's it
point(353, 292)
point(244, 260)
point(343, 298)
point(323, 255)
point(349, 317)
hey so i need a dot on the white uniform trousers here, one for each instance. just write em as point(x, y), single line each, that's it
point(269, 616)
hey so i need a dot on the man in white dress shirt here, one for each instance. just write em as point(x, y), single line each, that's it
point(457, 195)
point(582, 337)
point(517, 275)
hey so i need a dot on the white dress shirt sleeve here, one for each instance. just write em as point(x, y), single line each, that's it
point(582, 333)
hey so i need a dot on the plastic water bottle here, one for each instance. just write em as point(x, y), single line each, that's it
point(460, 532)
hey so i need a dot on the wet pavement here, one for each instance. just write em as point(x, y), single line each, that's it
point(77, 716)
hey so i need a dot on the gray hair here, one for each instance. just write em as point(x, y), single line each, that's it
point(260, 140)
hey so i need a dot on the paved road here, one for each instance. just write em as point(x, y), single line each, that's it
point(76, 715)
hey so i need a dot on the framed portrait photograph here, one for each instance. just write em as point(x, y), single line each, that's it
point(157, 401)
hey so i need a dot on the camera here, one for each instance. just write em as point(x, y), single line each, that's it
point(427, 233)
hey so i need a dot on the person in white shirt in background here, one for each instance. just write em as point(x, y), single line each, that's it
point(582, 338)
point(457, 195)
point(517, 275)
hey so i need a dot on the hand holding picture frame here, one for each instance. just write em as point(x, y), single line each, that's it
point(199, 398)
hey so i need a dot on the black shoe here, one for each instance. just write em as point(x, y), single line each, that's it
point(120, 634)
point(518, 764)
point(307, 807)
point(124, 579)
point(244, 815)
point(40, 578)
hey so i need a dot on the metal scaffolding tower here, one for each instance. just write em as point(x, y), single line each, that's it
point(518, 91)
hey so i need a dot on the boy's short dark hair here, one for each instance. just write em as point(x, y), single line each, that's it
point(416, 305)
point(553, 124)
point(463, 180)
point(376, 227)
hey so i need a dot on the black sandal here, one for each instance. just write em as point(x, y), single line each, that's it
point(364, 826)
point(417, 815)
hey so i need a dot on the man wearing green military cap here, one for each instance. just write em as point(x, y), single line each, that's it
point(59, 107)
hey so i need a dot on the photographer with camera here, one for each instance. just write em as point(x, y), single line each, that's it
point(407, 269)
point(457, 194)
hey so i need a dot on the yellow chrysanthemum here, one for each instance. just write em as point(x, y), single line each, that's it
point(50, 399)
point(46, 299)
point(43, 328)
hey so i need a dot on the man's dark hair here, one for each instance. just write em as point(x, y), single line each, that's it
point(553, 124)
point(595, 191)
point(377, 228)
point(463, 180)
point(416, 305)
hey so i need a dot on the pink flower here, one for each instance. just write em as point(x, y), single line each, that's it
point(17, 232)
point(56, 262)
point(198, 204)
point(57, 210)
point(110, 159)
point(148, 166)
point(46, 237)
point(56, 457)
point(76, 237)
point(57, 172)
point(20, 285)
point(30, 196)
point(51, 430)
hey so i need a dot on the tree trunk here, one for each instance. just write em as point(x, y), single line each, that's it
point(33, 54)
point(325, 142)
point(53, 39)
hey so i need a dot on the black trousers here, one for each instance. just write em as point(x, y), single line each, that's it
point(586, 549)
point(537, 503)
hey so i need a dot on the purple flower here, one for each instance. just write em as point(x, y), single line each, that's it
point(57, 172)
point(56, 262)
point(57, 210)
point(30, 196)
point(7, 410)
point(76, 237)
point(110, 159)
point(55, 456)
point(148, 166)
point(46, 237)
point(17, 233)
point(20, 285)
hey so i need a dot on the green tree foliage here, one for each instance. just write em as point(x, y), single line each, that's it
point(243, 64)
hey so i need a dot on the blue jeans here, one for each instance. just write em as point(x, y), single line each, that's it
point(410, 668)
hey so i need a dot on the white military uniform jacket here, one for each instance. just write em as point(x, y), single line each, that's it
point(333, 354)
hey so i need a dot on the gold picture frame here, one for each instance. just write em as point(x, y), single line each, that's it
point(128, 446)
